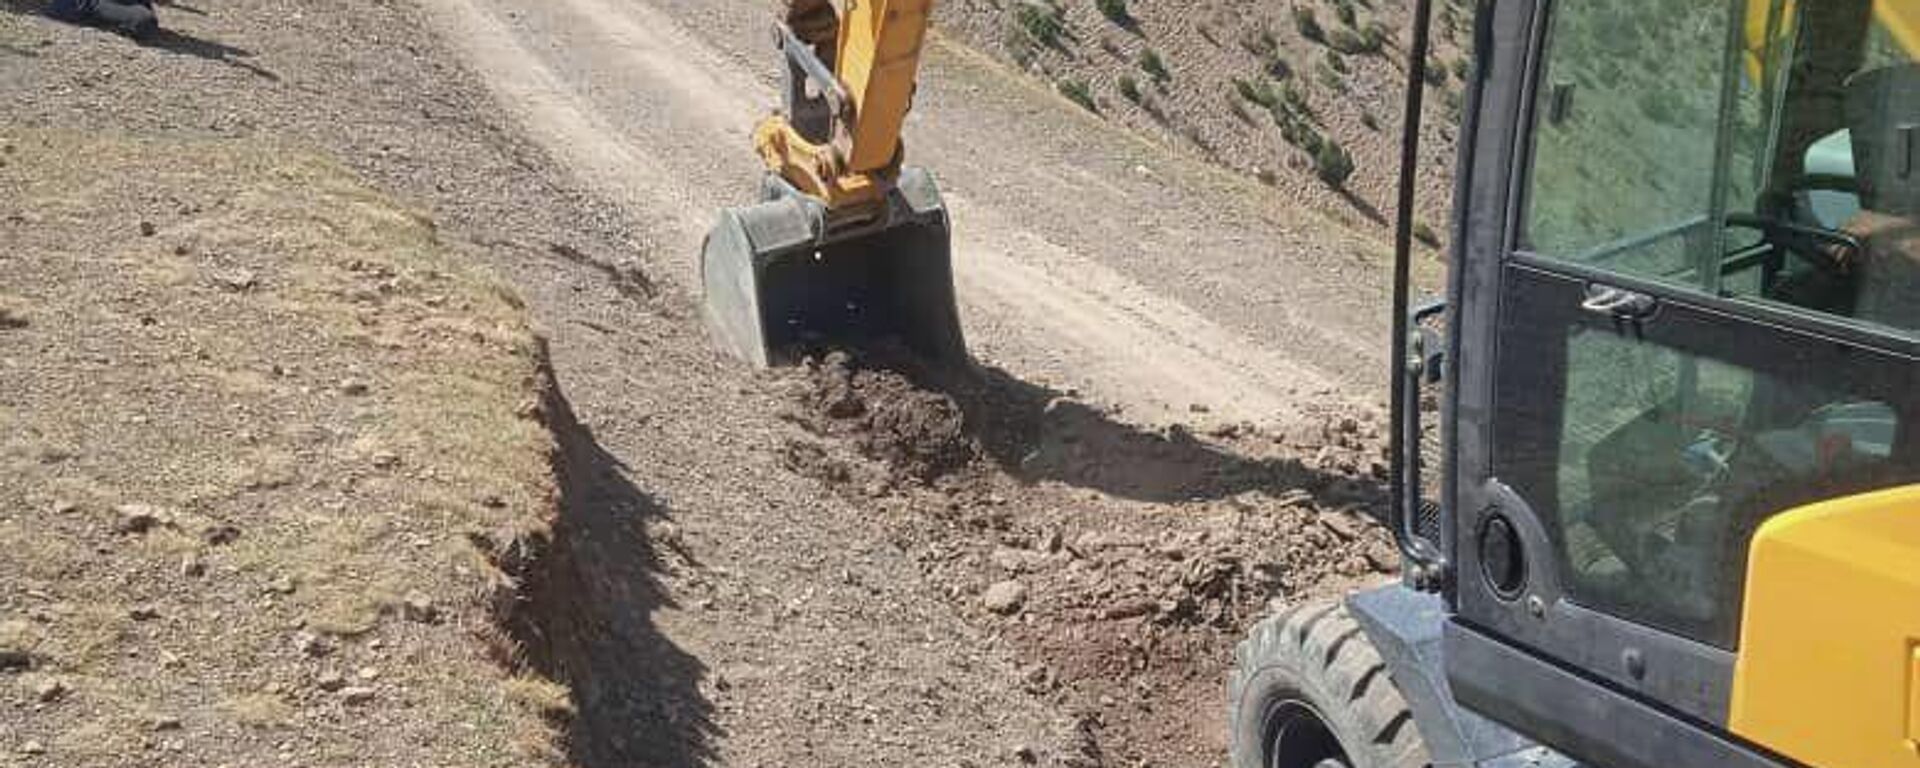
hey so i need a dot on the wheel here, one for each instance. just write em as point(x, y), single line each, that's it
point(1310, 691)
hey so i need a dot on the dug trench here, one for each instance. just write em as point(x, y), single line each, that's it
point(578, 603)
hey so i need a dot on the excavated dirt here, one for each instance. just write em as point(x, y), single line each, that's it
point(1121, 563)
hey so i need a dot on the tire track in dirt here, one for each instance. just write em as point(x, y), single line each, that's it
point(636, 105)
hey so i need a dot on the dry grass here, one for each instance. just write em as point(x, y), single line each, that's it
point(323, 404)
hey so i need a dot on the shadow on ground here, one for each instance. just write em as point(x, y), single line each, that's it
point(165, 39)
point(1035, 433)
point(585, 616)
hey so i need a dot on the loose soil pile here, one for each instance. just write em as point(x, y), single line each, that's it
point(1122, 564)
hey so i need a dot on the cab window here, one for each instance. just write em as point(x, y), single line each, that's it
point(1767, 153)
point(1770, 154)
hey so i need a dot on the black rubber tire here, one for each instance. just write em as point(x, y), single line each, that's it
point(1315, 658)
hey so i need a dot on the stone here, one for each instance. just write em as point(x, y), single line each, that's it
point(1013, 560)
point(166, 723)
point(143, 613)
point(236, 280)
point(1128, 609)
point(283, 585)
point(330, 681)
point(1342, 524)
point(312, 645)
point(1005, 598)
point(356, 695)
point(139, 518)
point(418, 606)
point(220, 534)
point(49, 691)
point(17, 643)
point(31, 747)
point(353, 387)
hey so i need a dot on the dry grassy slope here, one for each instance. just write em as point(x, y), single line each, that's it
point(1206, 45)
point(252, 418)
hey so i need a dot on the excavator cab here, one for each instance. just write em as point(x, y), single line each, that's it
point(1676, 518)
point(846, 248)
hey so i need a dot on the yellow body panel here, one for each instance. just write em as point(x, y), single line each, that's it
point(1902, 19)
point(879, 57)
point(1827, 668)
point(877, 61)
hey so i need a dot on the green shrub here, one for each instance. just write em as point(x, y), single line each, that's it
point(1260, 43)
point(1344, 9)
point(1330, 78)
point(1307, 24)
point(1042, 23)
point(1376, 35)
point(1425, 234)
point(1256, 92)
point(1151, 64)
point(1296, 100)
point(1450, 102)
point(1299, 133)
point(1459, 67)
point(1130, 88)
point(1078, 91)
point(1115, 11)
point(1345, 41)
point(1332, 163)
point(1337, 61)
point(1367, 119)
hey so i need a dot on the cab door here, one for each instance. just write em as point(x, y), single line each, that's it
point(1659, 350)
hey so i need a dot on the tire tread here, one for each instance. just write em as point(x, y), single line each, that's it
point(1318, 650)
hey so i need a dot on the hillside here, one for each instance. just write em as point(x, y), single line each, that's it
point(1305, 96)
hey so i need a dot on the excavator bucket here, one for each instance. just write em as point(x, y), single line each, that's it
point(781, 283)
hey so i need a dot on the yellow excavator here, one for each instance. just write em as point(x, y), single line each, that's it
point(847, 247)
point(1675, 521)
point(1676, 517)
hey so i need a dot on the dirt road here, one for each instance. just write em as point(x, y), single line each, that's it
point(735, 578)
point(1085, 257)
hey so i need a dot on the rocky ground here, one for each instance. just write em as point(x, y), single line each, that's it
point(253, 419)
point(1121, 562)
point(855, 563)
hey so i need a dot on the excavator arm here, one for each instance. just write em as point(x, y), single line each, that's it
point(851, 71)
